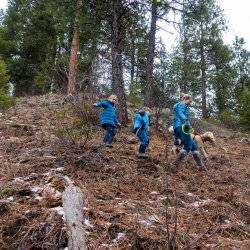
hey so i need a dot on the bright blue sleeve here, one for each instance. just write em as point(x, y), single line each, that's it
point(102, 103)
point(181, 112)
point(137, 121)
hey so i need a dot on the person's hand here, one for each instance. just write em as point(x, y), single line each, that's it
point(95, 104)
point(136, 131)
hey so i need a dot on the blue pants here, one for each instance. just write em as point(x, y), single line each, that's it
point(144, 140)
point(186, 139)
point(110, 132)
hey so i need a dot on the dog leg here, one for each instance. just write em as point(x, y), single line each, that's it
point(204, 153)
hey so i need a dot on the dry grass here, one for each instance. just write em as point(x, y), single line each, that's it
point(130, 203)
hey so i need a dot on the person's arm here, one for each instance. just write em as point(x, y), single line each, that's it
point(182, 113)
point(137, 123)
point(101, 104)
point(149, 120)
point(117, 123)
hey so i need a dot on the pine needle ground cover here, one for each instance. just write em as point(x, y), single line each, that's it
point(129, 203)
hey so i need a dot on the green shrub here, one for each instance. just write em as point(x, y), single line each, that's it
point(229, 119)
point(244, 111)
point(86, 113)
point(43, 79)
point(4, 77)
point(77, 123)
point(135, 99)
point(5, 100)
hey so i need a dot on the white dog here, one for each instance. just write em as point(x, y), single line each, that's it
point(199, 139)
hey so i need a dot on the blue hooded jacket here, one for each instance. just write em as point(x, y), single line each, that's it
point(141, 120)
point(109, 113)
point(181, 114)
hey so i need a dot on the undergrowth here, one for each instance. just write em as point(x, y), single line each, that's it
point(76, 123)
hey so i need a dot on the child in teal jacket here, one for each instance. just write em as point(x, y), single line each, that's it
point(108, 118)
point(141, 128)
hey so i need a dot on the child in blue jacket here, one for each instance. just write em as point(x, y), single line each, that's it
point(108, 118)
point(141, 128)
point(183, 130)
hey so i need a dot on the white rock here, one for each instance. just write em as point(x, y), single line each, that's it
point(60, 211)
point(120, 236)
point(162, 198)
point(87, 223)
point(146, 223)
point(200, 203)
point(18, 179)
point(154, 218)
point(11, 198)
point(61, 169)
point(35, 189)
point(39, 198)
point(154, 192)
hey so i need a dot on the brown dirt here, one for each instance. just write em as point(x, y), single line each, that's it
point(130, 203)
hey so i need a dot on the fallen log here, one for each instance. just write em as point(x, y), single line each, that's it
point(73, 204)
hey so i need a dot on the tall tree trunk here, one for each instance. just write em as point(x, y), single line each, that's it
point(203, 75)
point(73, 62)
point(220, 91)
point(88, 84)
point(184, 66)
point(116, 58)
point(132, 70)
point(149, 88)
point(184, 76)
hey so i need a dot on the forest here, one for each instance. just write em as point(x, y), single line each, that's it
point(115, 136)
point(103, 47)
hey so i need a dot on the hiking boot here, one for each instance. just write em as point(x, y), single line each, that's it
point(175, 150)
point(142, 156)
point(108, 145)
point(180, 157)
point(198, 160)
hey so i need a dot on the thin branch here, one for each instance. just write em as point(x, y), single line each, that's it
point(169, 21)
point(165, 30)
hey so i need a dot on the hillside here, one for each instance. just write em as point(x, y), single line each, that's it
point(130, 203)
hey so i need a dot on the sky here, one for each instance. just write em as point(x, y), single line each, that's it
point(237, 13)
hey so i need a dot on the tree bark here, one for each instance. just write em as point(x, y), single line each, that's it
point(73, 204)
point(132, 70)
point(88, 83)
point(149, 88)
point(73, 62)
point(116, 58)
point(184, 66)
point(184, 77)
point(203, 75)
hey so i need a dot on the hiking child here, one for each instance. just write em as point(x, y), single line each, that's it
point(108, 118)
point(183, 131)
point(141, 129)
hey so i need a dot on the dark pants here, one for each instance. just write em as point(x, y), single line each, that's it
point(186, 139)
point(110, 132)
point(144, 140)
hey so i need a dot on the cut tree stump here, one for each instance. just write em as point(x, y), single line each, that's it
point(73, 204)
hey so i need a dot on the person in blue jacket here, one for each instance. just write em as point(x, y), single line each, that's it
point(108, 118)
point(141, 128)
point(183, 130)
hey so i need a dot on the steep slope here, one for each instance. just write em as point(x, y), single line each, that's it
point(130, 203)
